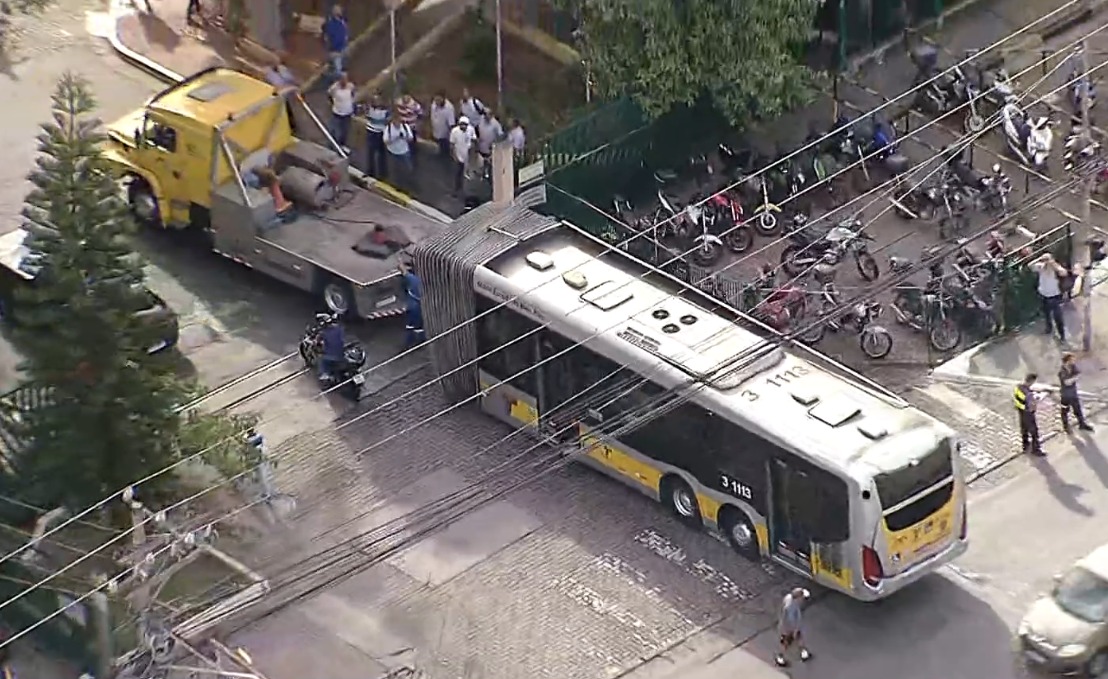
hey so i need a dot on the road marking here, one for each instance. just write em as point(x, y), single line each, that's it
point(954, 401)
point(724, 586)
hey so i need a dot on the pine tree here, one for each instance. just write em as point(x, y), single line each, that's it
point(111, 417)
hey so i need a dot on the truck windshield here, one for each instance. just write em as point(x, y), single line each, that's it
point(898, 486)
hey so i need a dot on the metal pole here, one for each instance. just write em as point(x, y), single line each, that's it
point(392, 41)
point(1087, 202)
point(499, 63)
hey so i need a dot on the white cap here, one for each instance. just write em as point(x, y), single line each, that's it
point(463, 121)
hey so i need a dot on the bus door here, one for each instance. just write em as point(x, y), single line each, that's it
point(790, 534)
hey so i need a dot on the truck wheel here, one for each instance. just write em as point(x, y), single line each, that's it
point(144, 206)
point(338, 297)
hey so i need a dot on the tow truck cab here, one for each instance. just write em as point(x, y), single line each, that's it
point(206, 153)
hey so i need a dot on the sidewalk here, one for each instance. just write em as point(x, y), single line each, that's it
point(162, 43)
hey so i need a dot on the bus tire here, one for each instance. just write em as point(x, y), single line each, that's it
point(681, 500)
point(740, 533)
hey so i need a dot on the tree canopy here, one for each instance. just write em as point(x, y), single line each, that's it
point(742, 54)
point(110, 419)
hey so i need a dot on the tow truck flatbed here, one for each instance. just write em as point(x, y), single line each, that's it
point(330, 239)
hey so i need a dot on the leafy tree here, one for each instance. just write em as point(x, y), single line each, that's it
point(110, 420)
point(741, 53)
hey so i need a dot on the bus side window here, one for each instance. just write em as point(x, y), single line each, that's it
point(735, 461)
point(673, 437)
point(499, 332)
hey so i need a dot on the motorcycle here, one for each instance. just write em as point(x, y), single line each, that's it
point(729, 218)
point(707, 246)
point(1029, 139)
point(974, 315)
point(1081, 87)
point(875, 341)
point(989, 191)
point(806, 249)
point(347, 376)
point(926, 309)
point(784, 308)
point(766, 221)
point(955, 207)
point(917, 203)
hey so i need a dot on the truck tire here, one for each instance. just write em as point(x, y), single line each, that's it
point(338, 297)
point(144, 205)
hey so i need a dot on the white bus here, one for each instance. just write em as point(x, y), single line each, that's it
point(817, 471)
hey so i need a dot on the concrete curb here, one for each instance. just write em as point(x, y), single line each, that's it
point(170, 77)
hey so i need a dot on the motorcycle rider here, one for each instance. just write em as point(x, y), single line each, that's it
point(883, 138)
point(332, 339)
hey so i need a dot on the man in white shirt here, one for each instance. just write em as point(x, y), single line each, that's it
point(398, 138)
point(342, 108)
point(461, 142)
point(442, 121)
point(517, 136)
point(470, 106)
point(489, 131)
point(1050, 292)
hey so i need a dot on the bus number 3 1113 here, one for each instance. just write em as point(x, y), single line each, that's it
point(735, 487)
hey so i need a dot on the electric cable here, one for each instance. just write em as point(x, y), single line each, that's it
point(781, 160)
point(681, 397)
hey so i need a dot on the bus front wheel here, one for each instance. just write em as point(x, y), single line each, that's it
point(681, 500)
point(740, 533)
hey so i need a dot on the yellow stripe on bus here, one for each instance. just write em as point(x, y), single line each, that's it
point(524, 412)
point(624, 464)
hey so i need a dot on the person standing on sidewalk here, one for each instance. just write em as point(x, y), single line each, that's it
point(399, 138)
point(342, 108)
point(376, 120)
point(470, 106)
point(1050, 292)
point(1026, 401)
point(489, 131)
point(461, 141)
point(442, 121)
point(788, 626)
point(410, 111)
point(1071, 400)
point(336, 37)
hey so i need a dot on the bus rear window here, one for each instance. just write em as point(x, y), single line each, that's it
point(897, 486)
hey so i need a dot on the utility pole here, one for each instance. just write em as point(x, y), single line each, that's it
point(1085, 85)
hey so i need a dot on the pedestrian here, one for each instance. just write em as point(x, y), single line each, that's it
point(1050, 292)
point(461, 142)
point(413, 312)
point(376, 120)
point(342, 108)
point(442, 121)
point(410, 111)
point(789, 624)
point(1026, 401)
point(517, 136)
point(336, 37)
point(470, 106)
point(398, 138)
point(489, 131)
point(1071, 401)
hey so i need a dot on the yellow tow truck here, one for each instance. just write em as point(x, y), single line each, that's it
point(217, 152)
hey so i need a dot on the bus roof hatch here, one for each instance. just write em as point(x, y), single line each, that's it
point(835, 412)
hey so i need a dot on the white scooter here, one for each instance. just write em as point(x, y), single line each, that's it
point(1029, 139)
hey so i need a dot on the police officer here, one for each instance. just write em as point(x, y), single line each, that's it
point(1026, 401)
point(1071, 402)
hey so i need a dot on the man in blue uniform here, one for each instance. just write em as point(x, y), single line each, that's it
point(413, 315)
point(333, 339)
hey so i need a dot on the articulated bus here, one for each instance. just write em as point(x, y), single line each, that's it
point(788, 458)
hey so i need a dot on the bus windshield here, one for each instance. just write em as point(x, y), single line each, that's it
point(896, 487)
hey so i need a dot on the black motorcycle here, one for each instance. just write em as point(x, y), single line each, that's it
point(926, 309)
point(809, 247)
point(347, 374)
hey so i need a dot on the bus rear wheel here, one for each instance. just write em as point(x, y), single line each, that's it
point(740, 533)
point(681, 500)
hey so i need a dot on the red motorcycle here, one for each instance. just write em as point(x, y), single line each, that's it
point(786, 308)
point(737, 236)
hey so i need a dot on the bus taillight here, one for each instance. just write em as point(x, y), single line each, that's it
point(872, 572)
